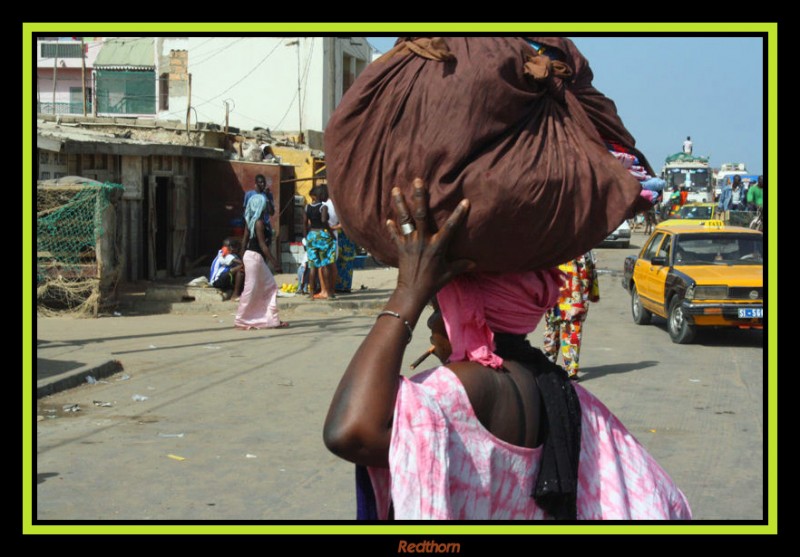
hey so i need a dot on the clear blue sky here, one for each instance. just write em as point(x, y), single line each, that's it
point(665, 88)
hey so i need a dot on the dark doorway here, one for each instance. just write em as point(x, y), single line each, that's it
point(156, 211)
point(162, 223)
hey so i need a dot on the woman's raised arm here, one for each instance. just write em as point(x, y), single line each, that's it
point(358, 425)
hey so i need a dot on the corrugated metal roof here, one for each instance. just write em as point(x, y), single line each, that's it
point(126, 53)
point(53, 137)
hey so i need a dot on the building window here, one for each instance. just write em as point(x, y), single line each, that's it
point(45, 176)
point(44, 157)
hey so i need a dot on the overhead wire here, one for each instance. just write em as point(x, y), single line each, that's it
point(291, 104)
point(246, 75)
point(221, 50)
point(264, 59)
point(295, 97)
point(302, 100)
point(205, 101)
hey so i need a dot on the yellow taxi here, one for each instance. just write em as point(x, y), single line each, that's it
point(693, 214)
point(698, 276)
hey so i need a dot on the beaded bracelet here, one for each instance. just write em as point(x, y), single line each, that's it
point(397, 315)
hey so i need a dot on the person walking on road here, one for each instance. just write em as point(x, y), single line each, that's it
point(263, 188)
point(564, 321)
point(258, 304)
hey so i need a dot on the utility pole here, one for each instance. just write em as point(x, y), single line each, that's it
point(83, 73)
point(226, 117)
point(94, 88)
point(189, 104)
point(299, 97)
point(296, 43)
point(55, 72)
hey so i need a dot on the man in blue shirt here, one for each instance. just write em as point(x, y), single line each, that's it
point(262, 188)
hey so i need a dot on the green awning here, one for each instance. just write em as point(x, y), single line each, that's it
point(126, 53)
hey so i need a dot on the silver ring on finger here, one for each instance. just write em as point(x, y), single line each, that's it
point(407, 228)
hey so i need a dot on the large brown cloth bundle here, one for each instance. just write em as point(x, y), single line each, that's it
point(520, 134)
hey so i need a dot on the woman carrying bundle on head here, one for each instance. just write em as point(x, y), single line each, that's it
point(496, 432)
point(511, 142)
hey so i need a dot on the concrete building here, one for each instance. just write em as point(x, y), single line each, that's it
point(115, 75)
point(182, 192)
point(284, 84)
point(167, 117)
point(64, 74)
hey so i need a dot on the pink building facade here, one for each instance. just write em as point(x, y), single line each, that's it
point(64, 74)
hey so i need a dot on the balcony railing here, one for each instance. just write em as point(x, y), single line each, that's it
point(61, 49)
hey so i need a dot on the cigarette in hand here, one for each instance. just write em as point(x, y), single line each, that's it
point(421, 359)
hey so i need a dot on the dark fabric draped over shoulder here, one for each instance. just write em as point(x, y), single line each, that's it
point(556, 487)
point(521, 134)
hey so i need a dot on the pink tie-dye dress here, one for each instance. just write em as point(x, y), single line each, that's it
point(444, 465)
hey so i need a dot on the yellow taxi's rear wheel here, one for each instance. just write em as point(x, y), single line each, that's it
point(680, 330)
point(641, 316)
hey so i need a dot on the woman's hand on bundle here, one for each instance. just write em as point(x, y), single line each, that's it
point(359, 422)
point(422, 256)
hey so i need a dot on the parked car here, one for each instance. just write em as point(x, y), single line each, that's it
point(621, 237)
point(698, 276)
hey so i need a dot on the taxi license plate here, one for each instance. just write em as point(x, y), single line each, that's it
point(750, 313)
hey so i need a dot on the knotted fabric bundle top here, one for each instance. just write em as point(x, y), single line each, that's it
point(473, 305)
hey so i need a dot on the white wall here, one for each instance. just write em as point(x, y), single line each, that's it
point(65, 79)
point(258, 76)
point(358, 53)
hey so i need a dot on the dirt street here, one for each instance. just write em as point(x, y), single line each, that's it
point(210, 423)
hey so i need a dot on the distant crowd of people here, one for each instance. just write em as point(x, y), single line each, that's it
point(331, 254)
point(241, 268)
point(736, 196)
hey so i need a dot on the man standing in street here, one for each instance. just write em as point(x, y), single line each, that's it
point(755, 195)
point(755, 202)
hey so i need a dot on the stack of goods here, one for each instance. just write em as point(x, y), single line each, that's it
point(511, 123)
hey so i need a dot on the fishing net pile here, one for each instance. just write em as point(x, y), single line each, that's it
point(69, 227)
